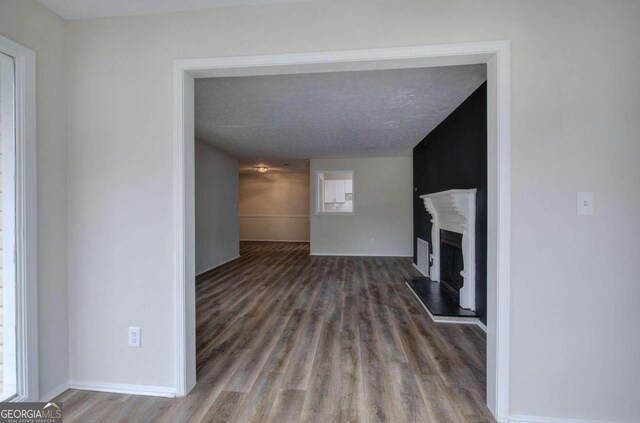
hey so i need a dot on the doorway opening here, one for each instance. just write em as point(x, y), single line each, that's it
point(494, 54)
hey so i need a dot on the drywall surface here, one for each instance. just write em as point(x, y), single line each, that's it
point(382, 222)
point(216, 180)
point(575, 97)
point(274, 206)
point(32, 25)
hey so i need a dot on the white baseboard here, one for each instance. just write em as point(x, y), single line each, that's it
point(121, 388)
point(482, 326)
point(218, 265)
point(53, 393)
point(276, 240)
point(540, 419)
point(358, 255)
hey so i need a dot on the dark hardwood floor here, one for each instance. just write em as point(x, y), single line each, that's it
point(286, 337)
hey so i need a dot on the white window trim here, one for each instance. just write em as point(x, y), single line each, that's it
point(317, 197)
point(26, 220)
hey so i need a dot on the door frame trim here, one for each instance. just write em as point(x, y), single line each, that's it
point(495, 54)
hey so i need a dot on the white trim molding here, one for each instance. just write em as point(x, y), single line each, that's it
point(539, 419)
point(499, 240)
point(184, 229)
point(495, 54)
point(123, 388)
point(455, 210)
point(26, 220)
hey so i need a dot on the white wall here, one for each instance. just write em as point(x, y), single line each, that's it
point(30, 24)
point(216, 181)
point(574, 101)
point(274, 206)
point(382, 224)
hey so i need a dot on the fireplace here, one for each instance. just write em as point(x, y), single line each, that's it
point(453, 232)
point(451, 263)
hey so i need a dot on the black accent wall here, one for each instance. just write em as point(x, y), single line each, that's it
point(454, 156)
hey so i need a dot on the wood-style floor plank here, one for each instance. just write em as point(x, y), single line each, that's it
point(287, 337)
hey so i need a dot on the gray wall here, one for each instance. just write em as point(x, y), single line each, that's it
point(382, 224)
point(30, 24)
point(216, 182)
point(574, 126)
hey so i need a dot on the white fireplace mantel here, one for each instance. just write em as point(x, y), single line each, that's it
point(455, 210)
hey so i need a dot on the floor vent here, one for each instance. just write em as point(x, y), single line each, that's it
point(423, 256)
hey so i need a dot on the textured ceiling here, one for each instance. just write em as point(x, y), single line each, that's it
point(86, 9)
point(338, 114)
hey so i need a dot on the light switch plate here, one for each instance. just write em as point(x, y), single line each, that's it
point(585, 203)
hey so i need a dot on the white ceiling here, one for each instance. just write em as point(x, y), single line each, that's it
point(85, 9)
point(337, 114)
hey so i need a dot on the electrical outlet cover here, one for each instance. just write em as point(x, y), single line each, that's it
point(585, 203)
point(134, 336)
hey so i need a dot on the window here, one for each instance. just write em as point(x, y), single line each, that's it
point(335, 192)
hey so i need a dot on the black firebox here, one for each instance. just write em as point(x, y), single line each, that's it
point(451, 263)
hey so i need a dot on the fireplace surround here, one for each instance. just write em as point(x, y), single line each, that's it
point(454, 212)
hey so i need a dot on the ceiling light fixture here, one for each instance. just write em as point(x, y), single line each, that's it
point(262, 169)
